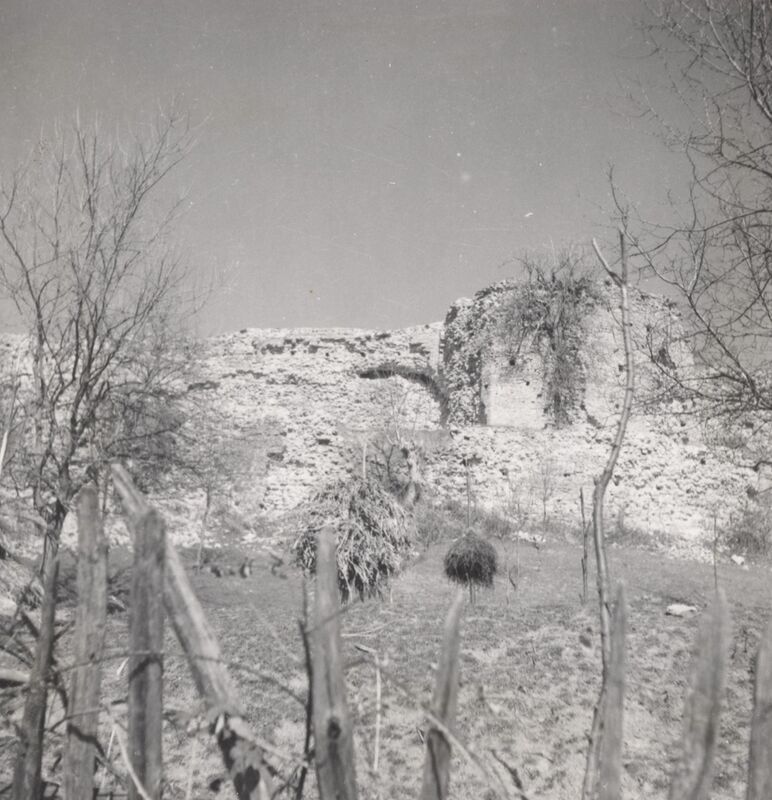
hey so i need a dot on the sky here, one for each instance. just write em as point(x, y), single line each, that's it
point(358, 164)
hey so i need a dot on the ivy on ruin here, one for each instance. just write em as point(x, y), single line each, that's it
point(546, 312)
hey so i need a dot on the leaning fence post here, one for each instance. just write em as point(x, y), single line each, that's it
point(436, 778)
point(242, 757)
point(26, 773)
point(146, 639)
point(760, 761)
point(333, 732)
point(90, 618)
point(693, 775)
point(610, 750)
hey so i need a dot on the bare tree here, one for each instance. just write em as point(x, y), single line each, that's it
point(210, 456)
point(394, 451)
point(545, 480)
point(601, 738)
point(87, 260)
point(715, 252)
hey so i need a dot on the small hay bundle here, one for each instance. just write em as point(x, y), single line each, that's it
point(471, 561)
point(373, 534)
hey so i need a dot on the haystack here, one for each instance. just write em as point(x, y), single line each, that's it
point(471, 561)
point(373, 533)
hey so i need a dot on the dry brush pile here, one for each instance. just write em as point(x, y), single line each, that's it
point(373, 532)
point(471, 561)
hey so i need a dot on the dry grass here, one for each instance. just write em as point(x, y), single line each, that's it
point(373, 534)
point(447, 520)
point(471, 560)
point(529, 672)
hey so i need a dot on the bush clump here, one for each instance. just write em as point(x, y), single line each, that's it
point(750, 531)
point(471, 561)
point(447, 520)
point(373, 535)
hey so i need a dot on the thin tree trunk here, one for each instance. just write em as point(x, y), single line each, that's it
point(202, 535)
point(468, 498)
point(601, 483)
point(413, 488)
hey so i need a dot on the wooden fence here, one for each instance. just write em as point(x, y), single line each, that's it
point(160, 588)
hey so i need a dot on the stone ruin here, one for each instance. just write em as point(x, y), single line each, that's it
point(302, 404)
point(309, 399)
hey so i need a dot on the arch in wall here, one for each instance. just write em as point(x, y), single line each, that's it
point(423, 377)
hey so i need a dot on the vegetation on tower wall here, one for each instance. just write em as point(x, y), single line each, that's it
point(542, 312)
point(547, 312)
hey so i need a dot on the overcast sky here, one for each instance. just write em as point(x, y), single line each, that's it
point(359, 164)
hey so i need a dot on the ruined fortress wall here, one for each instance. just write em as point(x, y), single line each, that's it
point(318, 392)
point(324, 392)
point(494, 386)
point(668, 481)
point(660, 486)
point(299, 404)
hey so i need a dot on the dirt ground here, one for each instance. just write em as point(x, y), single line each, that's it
point(530, 667)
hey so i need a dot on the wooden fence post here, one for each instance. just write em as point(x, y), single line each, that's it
point(242, 757)
point(760, 760)
point(90, 618)
point(585, 546)
point(333, 730)
point(436, 777)
point(26, 774)
point(610, 751)
point(146, 639)
point(693, 774)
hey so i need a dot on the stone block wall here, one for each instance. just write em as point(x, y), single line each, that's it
point(660, 486)
point(488, 384)
point(325, 392)
point(299, 404)
point(328, 391)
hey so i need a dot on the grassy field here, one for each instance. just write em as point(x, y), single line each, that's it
point(529, 672)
